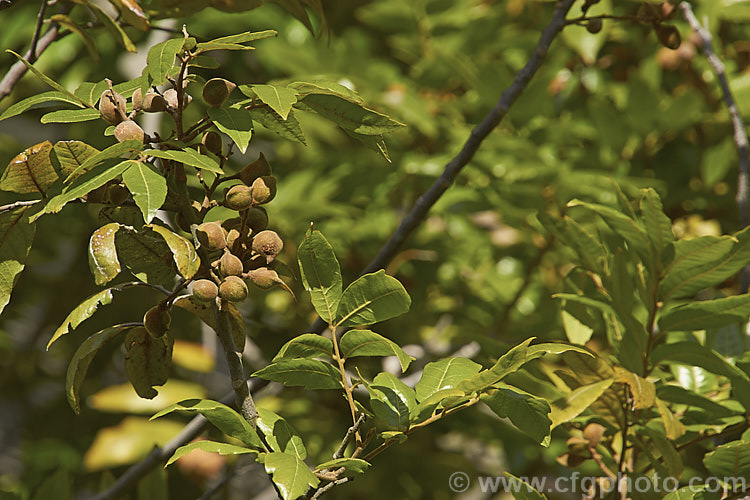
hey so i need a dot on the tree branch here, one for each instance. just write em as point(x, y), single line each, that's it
point(425, 202)
point(40, 45)
point(740, 136)
point(348, 437)
point(37, 31)
point(242, 396)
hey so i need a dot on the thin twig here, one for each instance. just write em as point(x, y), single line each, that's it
point(18, 204)
point(740, 136)
point(330, 485)
point(18, 69)
point(242, 396)
point(349, 433)
point(425, 202)
point(37, 31)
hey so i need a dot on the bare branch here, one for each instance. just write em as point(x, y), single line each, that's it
point(425, 202)
point(242, 396)
point(740, 136)
point(348, 437)
point(37, 31)
point(19, 69)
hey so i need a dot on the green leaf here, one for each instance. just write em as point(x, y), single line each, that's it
point(146, 255)
point(427, 407)
point(279, 99)
point(148, 186)
point(70, 116)
point(527, 412)
point(325, 87)
point(447, 373)
point(279, 435)
point(657, 224)
point(353, 466)
point(706, 314)
point(372, 298)
point(83, 185)
point(56, 485)
point(577, 401)
point(373, 142)
point(522, 490)
point(679, 395)
point(508, 363)
point(16, 236)
point(247, 36)
point(236, 123)
point(391, 400)
point(729, 460)
point(72, 156)
point(308, 373)
point(642, 390)
point(589, 249)
point(114, 151)
point(672, 425)
point(36, 101)
point(49, 81)
point(628, 229)
point(206, 46)
point(308, 345)
point(207, 62)
point(695, 492)
point(321, 274)
point(221, 416)
point(670, 457)
point(348, 115)
point(82, 312)
point(288, 129)
point(147, 360)
point(160, 59)
point(81, 360)
point(694, 354)
point(111, 26)
point(91, 91)
point(290, 474)
point(183, 252)
point(368, 343)
point(205, 312)
point(538, 350)
point(103, 261)
point(188, 156)
point(703, 262)
point(576, 331)
point(210, 447)
point(31, 171)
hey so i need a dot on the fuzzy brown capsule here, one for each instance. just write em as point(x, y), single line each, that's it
point(157, 320)
point(216, 91)
point(268, 244)
point(233, 289)
point(112, 107)
point(153, 102)
point(212, 142)
point(229, 265)
point(211, 235)
point(263, 278)
point(264, 189)
point(594, 26)
point(129, 130)
point(239, 197)
point(170, 97)
point(256, 219)
point(669, 36)
point(205, 290)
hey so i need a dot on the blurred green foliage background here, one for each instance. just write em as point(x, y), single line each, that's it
point(612, 106)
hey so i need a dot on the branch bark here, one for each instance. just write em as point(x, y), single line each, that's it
point(740, 136)
point(36, 48)
point(425, 202)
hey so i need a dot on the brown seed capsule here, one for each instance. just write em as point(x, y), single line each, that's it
point(256, 219)
point(112, 107)
point(170, 97)
point(157, 320)
point(267, 243)
point(153, 102)
point(594, 26)
point(216, 91)
point(263, 278)
point(233, 289)
point(264, 189)
point(127, 130)
point(211, 236)
point(212, 142)
point(137, 99)
point(668, 35)
point(239, 197)
point(230, 265)
point(252, 171)
point(205, 290)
